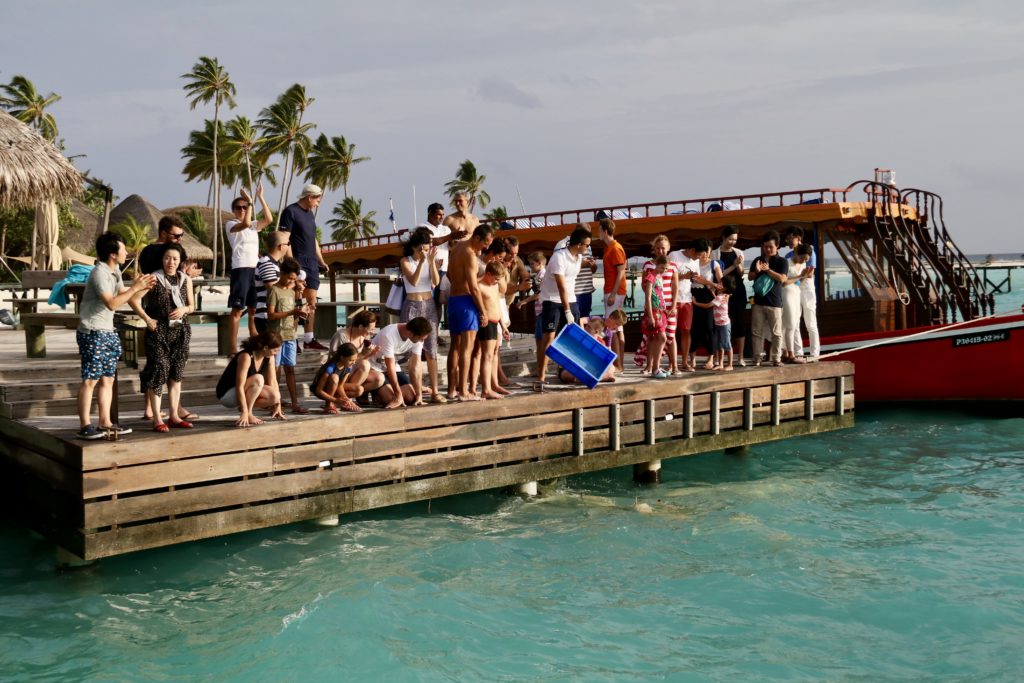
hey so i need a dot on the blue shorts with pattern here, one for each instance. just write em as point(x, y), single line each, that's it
point(100, 351)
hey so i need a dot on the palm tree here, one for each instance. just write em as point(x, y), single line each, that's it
point(195, 224)
point(285, 133)
point(208, 81)
point(135, 234)
point(331, 161)
point(243, 141)
point(496, 215)
point(199, 154)
point(22, 101)
point(350, 223)
point(467, 180)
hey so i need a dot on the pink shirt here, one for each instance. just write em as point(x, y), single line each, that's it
point(666, 282)
point(721, 310)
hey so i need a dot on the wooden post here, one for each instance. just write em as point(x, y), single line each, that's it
point(716, 403)
point(614, 438)
point(225, 345)
point(809, 399)
point(35, 340)
point(528, 489)
point(334, 284)
point(650, 435)
point(840, 395)
point(577, 431)
point(748, 409)
point(776, 399)
point(647, 472)
point(688, 416)
point(327, 520)
point(68, 560)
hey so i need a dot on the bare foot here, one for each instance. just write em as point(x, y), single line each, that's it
point(493, 395)
point(469, 397)
point(502, 390)
point(727, 368)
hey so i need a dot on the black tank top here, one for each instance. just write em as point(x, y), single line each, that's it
point(228, 379)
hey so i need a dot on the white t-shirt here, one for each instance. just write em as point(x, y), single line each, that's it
point(392, 345)
point(568, 266)
point(245, 245)
point(684, 264)
point(442, 249)
point(423, 284)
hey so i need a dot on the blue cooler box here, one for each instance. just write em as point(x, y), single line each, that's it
point(584, 357)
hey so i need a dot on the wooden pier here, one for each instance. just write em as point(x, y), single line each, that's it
point(99, 499)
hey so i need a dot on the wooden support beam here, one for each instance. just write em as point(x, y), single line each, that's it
point(840, 392)
point(809, 399)
point(716, 399)
point(688, 416)
point(577, 431)
point(748, 409)
point(649, 434)
point(775, 405)
point(614, 439)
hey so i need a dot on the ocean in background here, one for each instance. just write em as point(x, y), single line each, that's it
point(888, 552)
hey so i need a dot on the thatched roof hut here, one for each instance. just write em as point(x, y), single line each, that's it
point(205, 211)
point(31, 168)
point(147, 214)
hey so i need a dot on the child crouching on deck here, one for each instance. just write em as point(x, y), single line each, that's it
point(332, 384)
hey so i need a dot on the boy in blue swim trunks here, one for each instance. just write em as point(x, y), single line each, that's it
point(465, 309)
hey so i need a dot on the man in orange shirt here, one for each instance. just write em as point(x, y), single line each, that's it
point(614, 282)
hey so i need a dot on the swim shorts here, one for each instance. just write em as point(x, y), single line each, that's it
point(462, 314)
point(488, 332)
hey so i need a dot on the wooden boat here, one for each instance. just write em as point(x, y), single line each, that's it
point(918, 321)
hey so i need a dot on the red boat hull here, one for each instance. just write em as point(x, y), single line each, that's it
point(978, 361)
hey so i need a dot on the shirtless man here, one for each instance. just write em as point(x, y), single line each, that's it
point(466, 310)
point(462, 223)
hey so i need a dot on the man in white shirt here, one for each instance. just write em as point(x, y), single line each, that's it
point(558, 293)
point(243, 235)
point(393, 343)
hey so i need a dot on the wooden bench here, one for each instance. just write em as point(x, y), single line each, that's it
point(35, 325)
point(34, 280)
point(326, 322)
point(128, 325)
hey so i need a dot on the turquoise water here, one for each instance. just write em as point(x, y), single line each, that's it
point(890, 552)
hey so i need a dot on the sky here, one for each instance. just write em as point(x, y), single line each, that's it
point(569, 104)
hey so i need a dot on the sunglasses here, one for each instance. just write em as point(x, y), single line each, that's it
point(176, 235)
point(240, 207)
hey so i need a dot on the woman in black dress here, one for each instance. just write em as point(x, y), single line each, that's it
point(731, 259)
point(167, 339)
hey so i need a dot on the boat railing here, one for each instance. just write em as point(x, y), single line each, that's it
point(930, 208)
point(629, 211)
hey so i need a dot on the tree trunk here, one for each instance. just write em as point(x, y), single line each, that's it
point(216, 189)
point(284, 190)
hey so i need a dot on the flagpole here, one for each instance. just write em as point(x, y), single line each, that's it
point(521, 205)
point(394, 225)
point(415, 214)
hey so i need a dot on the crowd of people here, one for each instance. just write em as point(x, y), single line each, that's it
point(453, 269)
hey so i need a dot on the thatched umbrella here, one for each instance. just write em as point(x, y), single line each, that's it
point(146, 214)
point(34, 173)
point(46, 231)
point(31, 168)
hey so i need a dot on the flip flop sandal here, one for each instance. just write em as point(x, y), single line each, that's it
point(161, 428)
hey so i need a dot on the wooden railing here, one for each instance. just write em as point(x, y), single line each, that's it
point(628, 211)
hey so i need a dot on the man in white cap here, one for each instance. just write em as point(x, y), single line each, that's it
point(299, 220)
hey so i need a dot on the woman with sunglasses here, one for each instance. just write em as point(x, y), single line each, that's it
point(243, 235)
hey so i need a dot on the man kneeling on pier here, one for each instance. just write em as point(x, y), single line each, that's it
point(395, 342)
